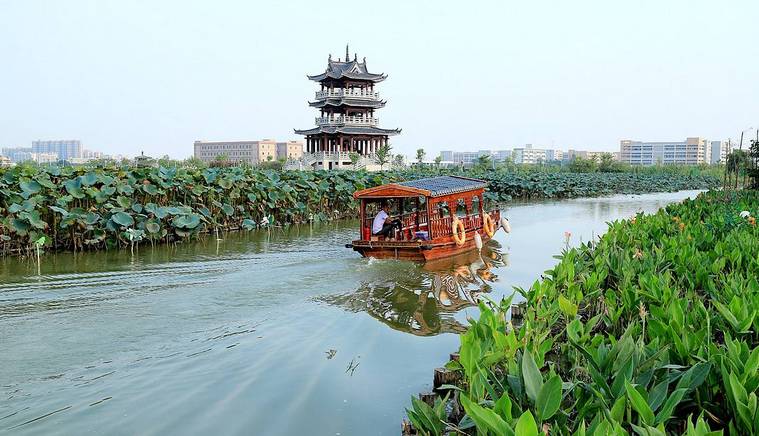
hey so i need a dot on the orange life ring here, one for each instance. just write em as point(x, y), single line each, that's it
point(488, 225)
point(459, 233)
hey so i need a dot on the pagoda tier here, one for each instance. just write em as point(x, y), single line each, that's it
point(347, 102)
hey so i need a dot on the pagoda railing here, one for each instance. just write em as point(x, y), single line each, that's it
point(339, 120)
point(352, 93)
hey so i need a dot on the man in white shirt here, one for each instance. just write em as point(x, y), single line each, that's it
point(383, 223)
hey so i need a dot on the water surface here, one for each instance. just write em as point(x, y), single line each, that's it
point(276, 333)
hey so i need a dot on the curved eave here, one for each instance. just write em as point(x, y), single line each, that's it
point(375, 104)
point(349, 130)
point(361, 76)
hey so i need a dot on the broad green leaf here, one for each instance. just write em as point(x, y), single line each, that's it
point(526, 425)
point(639, 404)
point(549, 398)
point(533, 381)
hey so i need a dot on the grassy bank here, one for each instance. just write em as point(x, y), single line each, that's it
point(652, 329)
point(80, 208)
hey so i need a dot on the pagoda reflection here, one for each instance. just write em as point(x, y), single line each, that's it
point(422, 299)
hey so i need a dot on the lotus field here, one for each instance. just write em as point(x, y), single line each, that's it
point(652, 329)
point(79, 208)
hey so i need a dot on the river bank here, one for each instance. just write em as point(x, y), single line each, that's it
point(46, 209)
point(250, 333)
point(650, 329)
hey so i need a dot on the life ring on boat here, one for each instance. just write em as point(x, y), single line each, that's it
point(459, 233)
point(488, 225)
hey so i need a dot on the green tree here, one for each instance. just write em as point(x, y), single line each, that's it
point(582, 165)
point(420, 155)
point(354, 157)
point(194, 162)
point(398, 161)
point(438, 160)
point(383, 155)
point(483, 162)
point(222, 157)
point(607, 164)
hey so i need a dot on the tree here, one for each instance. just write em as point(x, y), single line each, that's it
point(398, 160)
point(221, 157)
point(420, 155)
point(383, 155)
point(354, 157)
point(483, 162)
point(438, 160)
point(581, 165)
point(607, 164)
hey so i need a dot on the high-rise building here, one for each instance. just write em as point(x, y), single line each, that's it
point(530, 155)
point(17, 154)
point(347, 102)
point(692, 151)
point(64, 149)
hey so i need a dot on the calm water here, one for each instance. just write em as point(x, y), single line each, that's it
point(286, 333)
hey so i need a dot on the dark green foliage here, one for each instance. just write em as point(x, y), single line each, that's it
point(79, 208)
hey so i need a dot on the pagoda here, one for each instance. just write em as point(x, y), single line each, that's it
point(346, 123)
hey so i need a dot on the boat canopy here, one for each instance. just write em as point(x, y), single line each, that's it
point(428, 187)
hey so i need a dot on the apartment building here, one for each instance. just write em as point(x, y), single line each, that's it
point(65, 149)
point(692, 151)
point(252, 152)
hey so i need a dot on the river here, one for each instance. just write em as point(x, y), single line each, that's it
point(275, 333)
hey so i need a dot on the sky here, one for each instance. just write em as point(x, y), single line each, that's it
point(154, 76)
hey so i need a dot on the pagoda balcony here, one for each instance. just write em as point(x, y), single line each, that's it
point(342, 120)
point(350, 93)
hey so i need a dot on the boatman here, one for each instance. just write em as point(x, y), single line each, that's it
point(383, 223)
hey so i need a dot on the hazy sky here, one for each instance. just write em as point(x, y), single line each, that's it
point(125, 76)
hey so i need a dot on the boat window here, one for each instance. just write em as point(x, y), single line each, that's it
point(475, 205)
point(460, 208)
point(443, 210)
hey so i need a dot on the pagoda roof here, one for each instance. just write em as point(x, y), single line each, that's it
point(347, 70)
point(349, 130)
point(428, 187)
point(357, 102)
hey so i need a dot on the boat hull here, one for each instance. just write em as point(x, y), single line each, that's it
point(416, 250)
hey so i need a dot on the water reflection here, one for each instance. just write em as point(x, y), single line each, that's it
point(422, 299)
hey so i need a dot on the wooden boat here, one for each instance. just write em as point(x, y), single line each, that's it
point(428, 210)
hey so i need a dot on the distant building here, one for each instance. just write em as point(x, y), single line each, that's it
point(530, 155)
point(469, 158)
point(17, 154)
point(252, 152)
point(289, 150)
point(692, 151)
point(5, 161)
point(64, 149)
point(45, 157)
point(719, 151)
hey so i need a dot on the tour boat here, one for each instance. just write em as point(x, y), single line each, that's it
point(440, 217)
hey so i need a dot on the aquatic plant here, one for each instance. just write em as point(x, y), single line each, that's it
point(86, 208)
point(650, 329)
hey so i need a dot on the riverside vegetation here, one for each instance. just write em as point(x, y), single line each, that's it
point(651, 329)
point(90, 208)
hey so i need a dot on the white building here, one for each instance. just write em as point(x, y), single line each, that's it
point(719, 151)
point(692, 151)
point(469, 158)
point(17, 154)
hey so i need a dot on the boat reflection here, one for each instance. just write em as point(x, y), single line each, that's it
point(422, 299)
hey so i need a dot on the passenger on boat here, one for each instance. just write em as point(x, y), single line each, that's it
point(384, 224)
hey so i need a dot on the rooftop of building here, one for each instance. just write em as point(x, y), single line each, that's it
point(349, 69)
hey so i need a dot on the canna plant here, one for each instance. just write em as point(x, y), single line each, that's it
point(651, 329)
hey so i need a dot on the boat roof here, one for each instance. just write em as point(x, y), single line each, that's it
point(428, 187)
